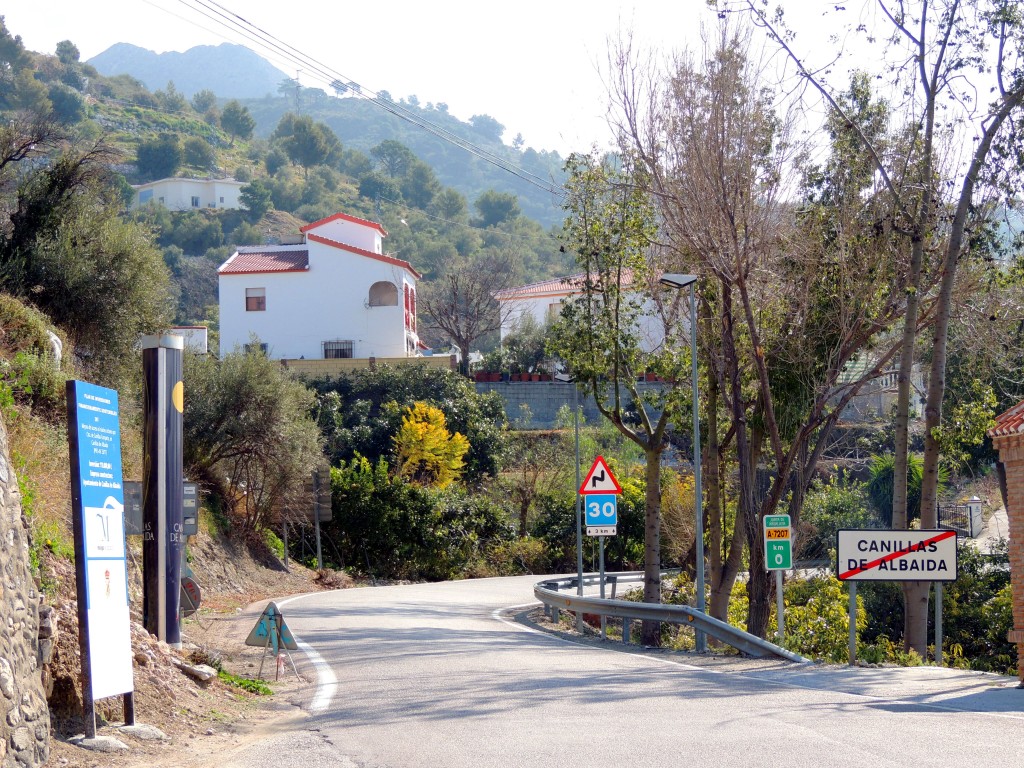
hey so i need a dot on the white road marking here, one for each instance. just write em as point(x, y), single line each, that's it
point(326, 682)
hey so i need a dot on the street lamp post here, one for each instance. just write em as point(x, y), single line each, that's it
point(567, 379)
point(679, 282)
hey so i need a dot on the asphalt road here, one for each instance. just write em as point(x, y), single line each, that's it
point(437, 676)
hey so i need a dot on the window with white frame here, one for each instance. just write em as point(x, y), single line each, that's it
point(336, 350)
point(195, 201)
point(255, 299)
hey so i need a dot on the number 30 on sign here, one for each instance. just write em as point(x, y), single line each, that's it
point(602, 514)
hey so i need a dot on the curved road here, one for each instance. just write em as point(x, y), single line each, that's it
point(435, 675)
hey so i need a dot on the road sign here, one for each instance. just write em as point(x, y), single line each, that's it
point(191, 596)
point(600, 479)
point(778, 543)
point(875, 555)
point(271, 630)
point(602, 514)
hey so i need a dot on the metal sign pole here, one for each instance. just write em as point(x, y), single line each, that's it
point(853, 623)
point(316, 520)
point(579, 504)
point(780, 605)
point(600, 547)
point(938, 623)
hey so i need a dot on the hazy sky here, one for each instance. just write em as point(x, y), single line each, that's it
point(533, 64)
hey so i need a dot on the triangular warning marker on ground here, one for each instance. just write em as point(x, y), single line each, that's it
point(600, 479)
point(271, 630)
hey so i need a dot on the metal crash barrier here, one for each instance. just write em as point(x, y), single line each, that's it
point(560, 595)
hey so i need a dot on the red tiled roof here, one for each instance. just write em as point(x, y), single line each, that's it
point(363, 252)
point(558, 285)
point(250, 262)
point(1009, 423)
point(345, 217)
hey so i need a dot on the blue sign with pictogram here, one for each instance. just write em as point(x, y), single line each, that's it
point(271, 631)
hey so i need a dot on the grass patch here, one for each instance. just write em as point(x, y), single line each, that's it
point(252, 686)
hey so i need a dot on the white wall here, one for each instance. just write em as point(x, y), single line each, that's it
point(359, 235)
point(177, 194)
point(329, 302)
point(652, 333)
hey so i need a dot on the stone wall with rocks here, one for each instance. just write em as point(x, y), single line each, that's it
point(24, 715)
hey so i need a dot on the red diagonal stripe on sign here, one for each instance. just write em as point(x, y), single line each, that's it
point(896, 555)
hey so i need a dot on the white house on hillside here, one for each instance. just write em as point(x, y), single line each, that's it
point(186, 194)
point(543, 303)
point(335, 294)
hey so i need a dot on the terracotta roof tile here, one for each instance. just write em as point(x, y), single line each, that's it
point(558, 285)
point(1009, 423)
point(248, 262)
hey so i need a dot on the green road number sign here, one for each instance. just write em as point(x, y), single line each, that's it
point(778, 543)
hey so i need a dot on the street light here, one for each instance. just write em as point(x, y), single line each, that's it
point(679, 282)
point(567, 379)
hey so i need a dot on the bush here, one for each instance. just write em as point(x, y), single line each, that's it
point(828, 507)
point(512, 558)
point(399, 530)
point(817, 618)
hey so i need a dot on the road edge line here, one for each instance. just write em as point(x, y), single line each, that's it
point(326, 681)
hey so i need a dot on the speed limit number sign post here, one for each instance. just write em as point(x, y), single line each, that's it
point(778, 543)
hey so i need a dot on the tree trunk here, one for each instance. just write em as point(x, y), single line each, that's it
point(464, 362)
point(713, 483)
point(759, 581)
point(650, 633)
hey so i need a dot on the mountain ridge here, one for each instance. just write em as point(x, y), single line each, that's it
point(229, 70)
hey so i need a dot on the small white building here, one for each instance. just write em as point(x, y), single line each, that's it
point(335, 294)
point(186, 194)
point(543, 303)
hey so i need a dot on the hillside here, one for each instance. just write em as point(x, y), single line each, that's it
point(233, 71)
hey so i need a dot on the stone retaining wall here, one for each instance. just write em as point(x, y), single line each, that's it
point(24, 715)
point(543, 399)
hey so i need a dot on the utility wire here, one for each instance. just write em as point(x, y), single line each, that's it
point(332, 78)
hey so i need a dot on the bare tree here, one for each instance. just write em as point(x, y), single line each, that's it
point(460, 301)
point(786, 308)
point(959, 65)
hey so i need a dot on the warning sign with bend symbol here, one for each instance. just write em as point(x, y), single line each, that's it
point(600, 479)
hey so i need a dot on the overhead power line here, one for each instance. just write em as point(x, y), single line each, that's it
point(323, 73)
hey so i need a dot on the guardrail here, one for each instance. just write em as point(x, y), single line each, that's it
point(551, 594)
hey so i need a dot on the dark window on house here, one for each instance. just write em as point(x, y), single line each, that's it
point(383, 294)
point(334, 350)
point(195, 202)
point(255, 299)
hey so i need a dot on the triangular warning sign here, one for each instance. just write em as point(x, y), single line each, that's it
point(271, 631)
point(600, 479)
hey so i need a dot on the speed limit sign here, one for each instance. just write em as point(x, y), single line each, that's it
point(602, 514)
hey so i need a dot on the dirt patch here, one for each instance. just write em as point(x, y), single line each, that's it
point(199, 719)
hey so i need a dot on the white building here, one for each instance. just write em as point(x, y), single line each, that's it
point(335, 294)
point(543, 302)
point(186, 194)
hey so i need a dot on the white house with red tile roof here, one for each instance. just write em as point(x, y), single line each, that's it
point(336, 294)
point(543, 302)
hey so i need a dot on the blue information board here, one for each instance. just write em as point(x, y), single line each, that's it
point(98, 497)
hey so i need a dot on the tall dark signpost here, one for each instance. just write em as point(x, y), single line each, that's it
point(94, 440)
point(163, 526)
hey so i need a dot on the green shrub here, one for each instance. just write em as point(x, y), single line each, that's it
point(828, 507)
point(511, 558)
point(817, 618)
